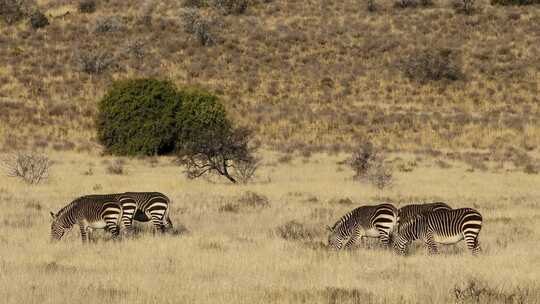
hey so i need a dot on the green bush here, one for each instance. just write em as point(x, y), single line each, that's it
point(202, 116)
point(38, 20)
point(137, 117)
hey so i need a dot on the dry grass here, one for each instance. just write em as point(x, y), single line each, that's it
point(241, 257)
point(306, 75)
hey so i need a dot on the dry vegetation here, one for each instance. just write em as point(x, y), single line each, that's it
point(268, 245)
point(306, 75)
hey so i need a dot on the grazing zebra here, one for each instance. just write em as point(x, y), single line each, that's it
point(409, 211)
point(366, 221)
point(144, 207)
point(89, 212)
point(443, 226)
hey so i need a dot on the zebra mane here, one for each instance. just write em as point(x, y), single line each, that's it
point(62, 212)
point(342, 219)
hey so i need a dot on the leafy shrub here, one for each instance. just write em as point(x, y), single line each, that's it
point(38, 20)
point(514, 2)
point(87, 6)
point(380, 174)
point(432, 65)
point(30, 167)
point(207, 141)
point(137, 117)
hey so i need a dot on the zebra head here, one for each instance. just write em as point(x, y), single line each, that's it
point(335, 241)
point(57, 230)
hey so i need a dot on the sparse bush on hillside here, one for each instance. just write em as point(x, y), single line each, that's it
point(362, 159)
point(199, 26)
point(94, 61)
point(87, 6)
point(514, 2)
point(195, 3)
point(30, 167)
point(380, 174)
point(11, 11)
point(109, 24)
point(432, 65)
point(137, 117)
point(38, 20)
point(231, 7)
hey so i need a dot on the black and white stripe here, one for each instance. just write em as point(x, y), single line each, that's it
point(89, 212)
point(443, 226)
point(366, 221)
point(144, 207)
point(409, 211)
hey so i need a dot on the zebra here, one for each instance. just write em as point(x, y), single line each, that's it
point(89, 212)
point(144, 207)
point(443, 226)
point(409, 211)
point(365, 221)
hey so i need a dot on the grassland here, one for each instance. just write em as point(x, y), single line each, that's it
point(239, 255)
point(306, 75)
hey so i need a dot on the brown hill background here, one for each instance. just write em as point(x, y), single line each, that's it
point(305, 75)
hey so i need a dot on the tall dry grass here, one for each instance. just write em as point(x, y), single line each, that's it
point(240, 256)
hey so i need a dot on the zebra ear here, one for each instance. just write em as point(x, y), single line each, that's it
point(329, 229)
point(53, 215)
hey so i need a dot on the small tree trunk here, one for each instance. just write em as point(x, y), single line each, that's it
point(226, 172)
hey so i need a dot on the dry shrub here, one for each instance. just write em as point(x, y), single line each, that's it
point(337, 295)
point(109, 24)
point(231, 7)
point(12, 11)
point(341, 201)
point(253, 200)
point(362, 159)
point(116, 168)
point(531, 168)
point(380, 174)
point(475, 291)
point(295, 231)
point(244, 171)
point(229, 207)
point(199, 26)
point(94, 61)
point(31, 168)
point(432, 65)
point(370, 164)
point(87, 6)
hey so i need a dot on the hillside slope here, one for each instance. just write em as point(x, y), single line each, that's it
point(304, 74)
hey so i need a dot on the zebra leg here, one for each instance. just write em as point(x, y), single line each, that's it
point(429, 242)
point(127, 217)
point(83, 229)
point(473, 244)
point(157, 221)
point(112, 227)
